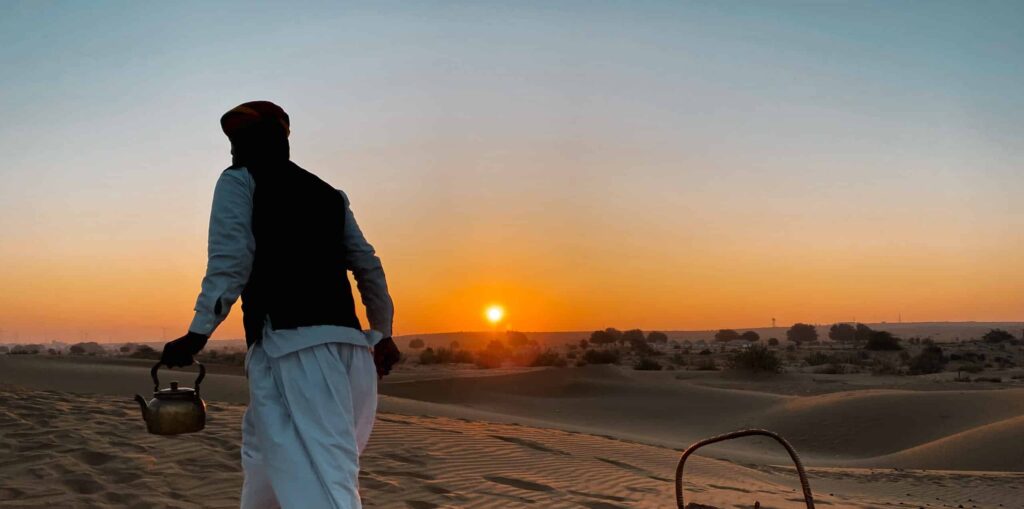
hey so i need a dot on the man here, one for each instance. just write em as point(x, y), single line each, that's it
point(284, 240)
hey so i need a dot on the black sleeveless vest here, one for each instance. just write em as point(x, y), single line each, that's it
point(299, 277)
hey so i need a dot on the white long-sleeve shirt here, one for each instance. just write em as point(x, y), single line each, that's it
point(232, 248)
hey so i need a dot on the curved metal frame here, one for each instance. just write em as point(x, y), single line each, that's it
point(808, 497)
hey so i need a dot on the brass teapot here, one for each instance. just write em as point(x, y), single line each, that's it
point(174, 410)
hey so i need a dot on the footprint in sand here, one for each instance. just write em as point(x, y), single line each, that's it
point(530, 444)
point(420, 504)
point(732, 488)
point(84, 484)
point(635, 469)
point(519, 483)
point(401, 458)
point(601, 505)
point(94, 458)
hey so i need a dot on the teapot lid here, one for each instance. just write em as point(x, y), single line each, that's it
point(175, 392)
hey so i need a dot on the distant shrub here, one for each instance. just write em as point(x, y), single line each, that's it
point(972, 368)
point(142, 352)
point(641, 347)
point(750, 336)
point(834, 368)
point(657, 337)
point(516, 339)
point(755, 358)
point(930, 360)
point(801, 333)
point(883, 340)
point(488, 359)
point(773, 342)
point(416, 343)
point(678, 358)
point(997, 336)
point(549, 358)
point(705, 364)
point(445, 356)
point(995, 379)
point(634, 335)
point(601, 356)
point(818, 359)
point(885, 367)
point(645, 364)
point(704, 352)
point(726, 335)
point(606, 337)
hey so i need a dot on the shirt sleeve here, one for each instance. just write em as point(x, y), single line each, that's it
point(362, 260)
point(231, 248)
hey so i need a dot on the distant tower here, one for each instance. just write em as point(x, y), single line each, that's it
point(773, 322)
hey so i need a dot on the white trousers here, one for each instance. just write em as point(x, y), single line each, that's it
point(310, 415)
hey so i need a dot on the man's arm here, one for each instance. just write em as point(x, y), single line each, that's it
point(231, 247)
point(362, 260)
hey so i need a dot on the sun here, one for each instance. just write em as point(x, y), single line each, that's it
point(494, 313)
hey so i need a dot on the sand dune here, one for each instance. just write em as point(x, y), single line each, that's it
point(70, 451)
point(598, 437)
point(998, 446)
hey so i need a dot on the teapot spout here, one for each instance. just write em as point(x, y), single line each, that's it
point(145, 406)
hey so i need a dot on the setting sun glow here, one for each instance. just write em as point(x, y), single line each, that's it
point(494, 313)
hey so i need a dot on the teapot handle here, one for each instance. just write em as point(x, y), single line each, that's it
point(156, 381)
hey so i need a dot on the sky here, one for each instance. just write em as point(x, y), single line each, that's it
point(661, 165)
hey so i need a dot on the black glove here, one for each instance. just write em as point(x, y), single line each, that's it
point(385, 355)
point(178, 353)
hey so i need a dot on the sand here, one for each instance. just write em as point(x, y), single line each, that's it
point(70, 436)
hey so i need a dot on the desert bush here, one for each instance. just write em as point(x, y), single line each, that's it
point(517, 339)
point(834, 368)
point(773, 342)
point(997, 336)
point(818, 359)
point(705, 364)
point(995, 379)
point(549, 358)
point(750, 336)
point(930, 360)
point(726, 335)
point(657, 337)
point(416, 343)
point(801, 333)
point(606, 337)
point(633, 335)
point(755, 358)
point(445, 356)
point(645, 364)
point(971, 368)
point(641, 347)
point(885, 367)
point(142, 352)
point(883, 340)
point(601, 356)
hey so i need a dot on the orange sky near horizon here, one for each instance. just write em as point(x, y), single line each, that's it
point(667, 166)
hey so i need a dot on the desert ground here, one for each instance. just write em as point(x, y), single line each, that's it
point(595, 436)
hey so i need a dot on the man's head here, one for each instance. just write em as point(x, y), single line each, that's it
point(258, 131)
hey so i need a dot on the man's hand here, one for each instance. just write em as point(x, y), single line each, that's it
point(178, 353)
point(385, 355)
